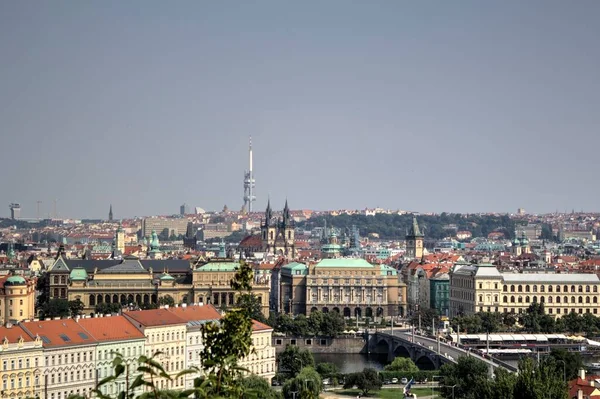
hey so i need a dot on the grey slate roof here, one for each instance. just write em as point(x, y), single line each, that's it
point(128, 266)
point(175, 266)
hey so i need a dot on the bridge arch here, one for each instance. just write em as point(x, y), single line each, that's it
point(401, 351)
point(382, 347)
point(424, 362)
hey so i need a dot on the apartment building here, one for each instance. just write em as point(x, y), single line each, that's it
point(115, 335)
point(176, 226)
point(482, 288)
point(165, 332)
point(69, 366)
point(21, 359)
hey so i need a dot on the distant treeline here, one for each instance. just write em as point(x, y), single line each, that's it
point(434, 227)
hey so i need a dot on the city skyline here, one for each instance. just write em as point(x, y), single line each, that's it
point(462, 107)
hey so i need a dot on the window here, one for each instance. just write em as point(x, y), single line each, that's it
point(580, 288)
point(542, 288)
point(527, 288)
point(520, 288)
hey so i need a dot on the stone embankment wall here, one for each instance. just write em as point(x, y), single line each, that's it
point(323, 345)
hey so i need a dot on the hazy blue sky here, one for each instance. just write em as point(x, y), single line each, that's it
point(426, 105)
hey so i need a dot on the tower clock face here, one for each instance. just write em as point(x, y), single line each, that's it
point(419, 243)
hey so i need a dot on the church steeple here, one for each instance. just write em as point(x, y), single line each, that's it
point(110, 214)
point(414, 241)
point(268, 213)
point(286, 213)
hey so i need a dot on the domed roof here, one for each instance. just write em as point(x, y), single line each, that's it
point(166, 276)
point(15, 280)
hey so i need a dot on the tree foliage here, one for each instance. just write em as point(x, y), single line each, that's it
point(469, 376)
point(257, 387)
point(539, 380)
point(293, 359)
point(307, 385)
point(166, 300)
point(330, 324)
point(252, 306)
point(55, 308)
point(402, 364)
point(434, 226)
point(107, 308)
point(367, 380)
point(326, 370)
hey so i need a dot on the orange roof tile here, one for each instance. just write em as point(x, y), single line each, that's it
point(55, 333)
point(192, 313)
point(154, 317)
point(111, 328)
point(258, 326)
point(13, 334)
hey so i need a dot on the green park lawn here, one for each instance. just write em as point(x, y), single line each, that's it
point(387, 393)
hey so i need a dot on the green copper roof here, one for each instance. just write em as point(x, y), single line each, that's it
point(166, 277)
point(414, 229)
point(78, 274)
point(295, 268)
point(344, 262)
point(388, 270)
point(15, 280)
point(219, 267)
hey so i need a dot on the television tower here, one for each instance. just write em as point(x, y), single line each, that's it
point(249, 197)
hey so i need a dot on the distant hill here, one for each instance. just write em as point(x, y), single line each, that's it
point(434, 227)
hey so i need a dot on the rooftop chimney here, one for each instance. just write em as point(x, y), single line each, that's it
point(579, 394)
point(582, 374)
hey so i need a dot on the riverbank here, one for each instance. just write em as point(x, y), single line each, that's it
point(384, 393)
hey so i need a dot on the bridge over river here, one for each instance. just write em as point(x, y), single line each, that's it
point(426, 352)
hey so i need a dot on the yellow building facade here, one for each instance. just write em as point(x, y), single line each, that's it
point(21, 362)
point(263, 361)
point(482, 288)
point(17, 299)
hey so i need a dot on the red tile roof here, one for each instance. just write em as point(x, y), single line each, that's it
point(154, 317)
point(258, 326)
point(13, 334)
point(111, 328)
point(253, 241)
point(64, 332)
point(191, 313)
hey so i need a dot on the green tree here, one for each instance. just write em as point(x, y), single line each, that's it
point(307, 385)
point(300, 326)
point(539, 380)
point(315, 320)
point(107, 308)
point(326, 370)
point(252, 306)
point(490, 321)
point(76, 307)
point(367, 380)
point(293, 359)
point(41, 287)
point(573, 362)
point(257, 387)
point(402, 364)
point(469, 376)
point(166, 300)
point(55, 308)
point(427, 318)
point(333, 325)
point(227, 342)
point(503, 384)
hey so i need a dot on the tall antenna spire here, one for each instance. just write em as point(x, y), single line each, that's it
point(249, 197)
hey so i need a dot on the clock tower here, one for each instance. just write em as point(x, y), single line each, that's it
point(414, 241)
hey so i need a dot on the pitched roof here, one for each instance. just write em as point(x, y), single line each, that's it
point(258, 326)
point(154, 317)
point(252, 241)
point(127, 266)
point(111, 328)
point(13, 334)
point(196, 313)
point(54, 333)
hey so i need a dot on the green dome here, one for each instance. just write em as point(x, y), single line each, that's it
point(166, 276)
point(15, 280)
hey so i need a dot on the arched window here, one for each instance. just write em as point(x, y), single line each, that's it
point(558, 288)
point(520, 288)
point(549, 299)
point(535, 288)
point(595, 300)
point(542, 288)
point(505, 299)
point(505, 288)
point(520, 299)
point(92, 300)
point(527, 288)
point(566, 300)
point(587, 299)
point(580, 288)
point(480, 298)
point(587, 288)
point(557, 299)
point(572, 288)
point(572, 299)
point(580, 299)
point(512, 299)
point(534, 299)
point(527, 299)
point(549, 288)
point(495, 298)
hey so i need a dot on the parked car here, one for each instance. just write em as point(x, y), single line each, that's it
point(394, 380)
point(404, 381)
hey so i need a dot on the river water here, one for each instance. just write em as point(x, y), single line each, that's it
point(352, 362)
